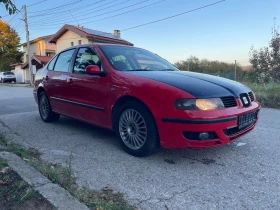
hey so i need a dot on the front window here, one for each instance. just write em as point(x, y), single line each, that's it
point(135, 59)
point(84, 58)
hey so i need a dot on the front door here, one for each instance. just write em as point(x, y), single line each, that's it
point(89, 93)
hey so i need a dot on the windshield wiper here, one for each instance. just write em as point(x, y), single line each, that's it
point(139, 70)
point(168, 70)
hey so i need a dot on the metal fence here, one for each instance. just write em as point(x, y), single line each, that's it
point(227, 76)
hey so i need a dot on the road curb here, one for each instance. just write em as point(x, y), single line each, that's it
point(56, 195)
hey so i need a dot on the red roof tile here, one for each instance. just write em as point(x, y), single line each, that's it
point(89, 33)
point(43, 59)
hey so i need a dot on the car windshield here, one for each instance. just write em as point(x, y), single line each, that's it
point(135, 59)
point(8, 73)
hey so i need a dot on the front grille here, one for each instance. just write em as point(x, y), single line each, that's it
point(229, 101)
point(251, 95)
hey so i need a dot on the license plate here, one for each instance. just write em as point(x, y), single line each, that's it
point(247, 119)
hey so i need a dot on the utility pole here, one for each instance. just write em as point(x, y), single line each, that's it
point(28, 45)
point(188, 66)
point(235, 71)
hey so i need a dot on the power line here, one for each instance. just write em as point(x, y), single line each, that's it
point(18, 23)
point(75, 8)
point(59, 23)
point(88, 9)
point(199, 8)
point(173, 15)
point(13, 17)
point(57, 6)
point(36, 3)
point(113, 15)
point(73, 17)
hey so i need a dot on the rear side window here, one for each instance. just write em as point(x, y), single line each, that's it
point(51, 64)
point(8, 73)
point(63, 61)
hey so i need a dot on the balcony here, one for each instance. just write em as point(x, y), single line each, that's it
point(51, 47)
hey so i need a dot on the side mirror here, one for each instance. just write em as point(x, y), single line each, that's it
point(93, 69)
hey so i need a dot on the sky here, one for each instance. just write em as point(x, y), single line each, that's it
point(224, 31)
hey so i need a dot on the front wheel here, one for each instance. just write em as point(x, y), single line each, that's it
point(45, 109)
point(137, 130)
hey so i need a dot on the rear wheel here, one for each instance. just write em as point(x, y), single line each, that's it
point(136, 129)
point(45, 109)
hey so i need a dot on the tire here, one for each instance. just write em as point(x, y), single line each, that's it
point(45, 109)
point(138, 137)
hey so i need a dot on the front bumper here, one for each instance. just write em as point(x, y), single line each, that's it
point(222, 126)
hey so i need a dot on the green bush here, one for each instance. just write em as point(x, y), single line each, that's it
point(268, 95)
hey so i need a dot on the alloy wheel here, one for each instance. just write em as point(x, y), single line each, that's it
point(44, 107)
point(132, 129)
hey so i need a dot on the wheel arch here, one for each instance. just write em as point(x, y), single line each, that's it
point(122, 100)
point(39, 91)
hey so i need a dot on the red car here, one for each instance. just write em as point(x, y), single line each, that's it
point(147, 101)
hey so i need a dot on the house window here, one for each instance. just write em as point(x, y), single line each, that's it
point(72, 43)
point(80, 41)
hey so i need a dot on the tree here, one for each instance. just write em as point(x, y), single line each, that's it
point(9, 5)
point(219, 68)
point(275, 50)
point(192, 62)
point(9, 47)
point(267, 58)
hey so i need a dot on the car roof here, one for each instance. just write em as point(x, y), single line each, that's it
point(96, 44)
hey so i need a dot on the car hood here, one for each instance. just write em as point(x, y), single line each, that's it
point(198, 85)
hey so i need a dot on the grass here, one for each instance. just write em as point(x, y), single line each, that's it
point(17, 194)
point(3, 163)
point(106, 199)
point(267, 95)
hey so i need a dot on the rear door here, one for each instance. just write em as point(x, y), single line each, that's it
point(57, 85)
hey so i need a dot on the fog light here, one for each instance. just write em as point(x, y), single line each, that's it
point(203, 136)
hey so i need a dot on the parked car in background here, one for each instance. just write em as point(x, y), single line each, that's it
point(7, 76)
point(147, 101)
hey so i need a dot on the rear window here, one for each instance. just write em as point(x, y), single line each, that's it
point(8, 73)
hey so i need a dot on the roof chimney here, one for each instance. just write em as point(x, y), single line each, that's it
point(117, 33)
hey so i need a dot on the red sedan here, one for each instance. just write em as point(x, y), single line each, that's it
point(147, 101)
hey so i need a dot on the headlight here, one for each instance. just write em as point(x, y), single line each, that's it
point(199, 104)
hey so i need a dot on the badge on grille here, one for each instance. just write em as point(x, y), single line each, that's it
point(245, 100)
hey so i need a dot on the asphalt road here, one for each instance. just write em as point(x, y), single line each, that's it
point(242, 175)
point(16, 100)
